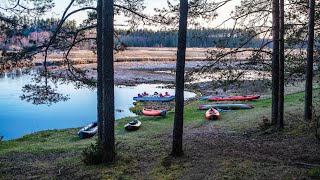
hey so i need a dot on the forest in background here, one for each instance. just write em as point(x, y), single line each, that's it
point(40, 30)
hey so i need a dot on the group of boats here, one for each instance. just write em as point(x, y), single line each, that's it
point(92, 129)
point(212, 113)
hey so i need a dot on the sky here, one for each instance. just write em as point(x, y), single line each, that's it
point(150, 5)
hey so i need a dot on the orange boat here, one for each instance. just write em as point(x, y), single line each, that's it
point(154, 112)
point(212, 114)
point(233, 98)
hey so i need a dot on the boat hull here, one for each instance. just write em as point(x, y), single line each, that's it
point(133, 125)
point(154, 98)
point(88, 131)
point(212, 114)
point(225, 106)
point(153, 112)
point(233, 98)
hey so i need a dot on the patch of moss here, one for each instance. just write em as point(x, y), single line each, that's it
point(169, 168)
point(237, 169)
point(314, 173)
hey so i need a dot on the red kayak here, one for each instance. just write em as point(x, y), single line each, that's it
point(153, 112)
point(233, 98)
point(212, 114)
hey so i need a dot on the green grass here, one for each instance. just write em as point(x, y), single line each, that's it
point(128, 143)
point(67, 139)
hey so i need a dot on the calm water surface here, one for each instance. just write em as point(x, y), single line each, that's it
point(18, 117)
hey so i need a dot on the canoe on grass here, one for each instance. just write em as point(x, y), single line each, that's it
point(154, 98)
point(212, 114)
point(88, 131)
point(153, 112)
point(233, 98)
point(133, 125)
point(226, 106)
point(205, 98)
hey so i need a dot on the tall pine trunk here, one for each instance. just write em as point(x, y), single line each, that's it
point(179, 96)
point(108, 81)
point(275, 61)
point(281, 66)
point(309, 67)
point(99, 72)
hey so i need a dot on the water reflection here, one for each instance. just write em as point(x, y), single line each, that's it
point(42, 92)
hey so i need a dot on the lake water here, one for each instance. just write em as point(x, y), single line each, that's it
point(18, 117)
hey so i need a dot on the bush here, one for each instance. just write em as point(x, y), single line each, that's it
point(92, 154)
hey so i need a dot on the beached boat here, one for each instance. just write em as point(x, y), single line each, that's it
point(226, 106)
point(212, 114)
point(233, 98)
point(133, 125)
point(154, 112)
point(205, 98)
point(154, 98)
point(88, 131)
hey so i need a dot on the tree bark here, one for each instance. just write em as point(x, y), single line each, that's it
point(309, 67)
point(281, 66)
point(108, 81)
point(99, 72)
point(180, 68)
point(275, 61)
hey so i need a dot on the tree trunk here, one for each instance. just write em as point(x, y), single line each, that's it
point(309, 67)
point(281, 66)
point(180, 66)
point(275, 61)
point(108, 81)
point(99, 71)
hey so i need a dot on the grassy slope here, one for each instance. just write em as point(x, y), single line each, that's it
point(141, 153)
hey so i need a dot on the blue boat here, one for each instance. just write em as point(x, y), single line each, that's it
point(205, 98)
point(226, 106)
point(154, 98)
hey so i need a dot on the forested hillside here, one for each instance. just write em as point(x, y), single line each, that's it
point(195, 38)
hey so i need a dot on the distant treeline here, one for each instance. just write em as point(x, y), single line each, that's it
point(195, 38)
point(39, 30)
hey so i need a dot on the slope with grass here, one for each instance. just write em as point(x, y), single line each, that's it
point(237, 146)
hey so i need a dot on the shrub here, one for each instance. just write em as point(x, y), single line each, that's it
point(92, 154)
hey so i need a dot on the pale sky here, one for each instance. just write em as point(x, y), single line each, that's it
point(150, 5)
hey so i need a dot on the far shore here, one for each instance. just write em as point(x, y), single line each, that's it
point(149, 65)
point(136, 54)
